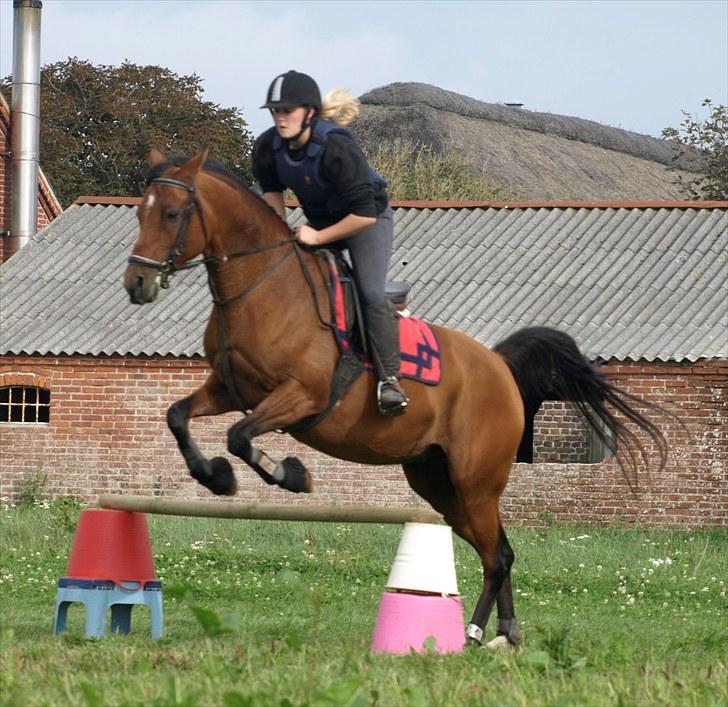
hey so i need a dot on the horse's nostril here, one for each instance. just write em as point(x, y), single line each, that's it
point(135, 289)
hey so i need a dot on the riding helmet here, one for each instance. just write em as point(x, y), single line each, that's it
point(293, 89)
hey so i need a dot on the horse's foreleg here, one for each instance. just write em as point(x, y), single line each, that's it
point(287, 404)
point(211, 399)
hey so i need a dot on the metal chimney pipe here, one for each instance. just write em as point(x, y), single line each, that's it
point(25, 122)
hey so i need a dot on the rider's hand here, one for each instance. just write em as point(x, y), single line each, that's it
point(307, 235)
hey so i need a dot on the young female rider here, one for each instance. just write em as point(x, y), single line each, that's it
point(345, 202)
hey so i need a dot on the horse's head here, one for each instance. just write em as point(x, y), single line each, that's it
point(171, 227)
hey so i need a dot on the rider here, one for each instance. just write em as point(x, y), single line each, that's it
point(344, 199)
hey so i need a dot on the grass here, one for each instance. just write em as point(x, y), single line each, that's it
point(419, 172)
point(262, 613)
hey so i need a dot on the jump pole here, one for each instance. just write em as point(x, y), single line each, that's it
point(260, 511)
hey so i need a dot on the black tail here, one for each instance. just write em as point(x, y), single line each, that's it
point(548, 365)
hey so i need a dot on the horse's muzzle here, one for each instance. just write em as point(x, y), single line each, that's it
point(142, 284)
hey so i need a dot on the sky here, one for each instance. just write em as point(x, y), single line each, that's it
point(634, 65)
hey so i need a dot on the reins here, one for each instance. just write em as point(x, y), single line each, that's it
point(167, 267)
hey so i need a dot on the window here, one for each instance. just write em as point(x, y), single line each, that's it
point(24, 404)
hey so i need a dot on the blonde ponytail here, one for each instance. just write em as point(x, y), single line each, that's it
point(340, 107)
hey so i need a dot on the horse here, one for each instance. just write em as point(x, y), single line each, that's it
point(272, 356)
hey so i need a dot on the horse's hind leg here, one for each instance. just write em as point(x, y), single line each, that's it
point(211, 399)
point(507, 624)
point(480, 493)
point(430, 480)
point(508, 631)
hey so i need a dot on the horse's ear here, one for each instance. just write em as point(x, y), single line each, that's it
point(155, 157)
point(192, 167)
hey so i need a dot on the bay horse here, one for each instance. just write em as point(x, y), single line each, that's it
point(272, 356)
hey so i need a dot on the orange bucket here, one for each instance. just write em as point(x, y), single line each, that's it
point(112, 545)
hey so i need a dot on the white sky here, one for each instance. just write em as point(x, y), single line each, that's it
point(634, 65)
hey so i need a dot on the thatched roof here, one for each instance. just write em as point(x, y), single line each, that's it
point(535, 155)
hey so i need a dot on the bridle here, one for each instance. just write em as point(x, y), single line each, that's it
point(167, 267)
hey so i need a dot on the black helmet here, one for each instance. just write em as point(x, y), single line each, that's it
point(293, 89)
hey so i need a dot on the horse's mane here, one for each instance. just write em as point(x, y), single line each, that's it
point(210, 165)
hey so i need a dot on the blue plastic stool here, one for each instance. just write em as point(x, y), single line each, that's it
point(98, 595)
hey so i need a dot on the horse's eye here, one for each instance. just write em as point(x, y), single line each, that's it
point(171, 214)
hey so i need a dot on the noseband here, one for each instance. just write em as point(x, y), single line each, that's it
point(167, 266)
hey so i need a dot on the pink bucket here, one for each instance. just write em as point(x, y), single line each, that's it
point(405, 621)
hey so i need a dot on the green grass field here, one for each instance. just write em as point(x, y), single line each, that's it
point(262, 613)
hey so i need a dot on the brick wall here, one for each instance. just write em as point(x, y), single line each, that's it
point(107, 433)
point(561, 434)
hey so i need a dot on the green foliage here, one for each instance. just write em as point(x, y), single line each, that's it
point(415, 172)
point(64, 512)
point(710, 136)
point(99, 123)
point(32, 489)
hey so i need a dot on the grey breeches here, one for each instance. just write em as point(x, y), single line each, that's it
point(370, 251)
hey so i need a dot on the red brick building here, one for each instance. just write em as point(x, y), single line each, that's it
point(639, 285)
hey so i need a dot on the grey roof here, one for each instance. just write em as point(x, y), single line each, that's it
point(627, 281)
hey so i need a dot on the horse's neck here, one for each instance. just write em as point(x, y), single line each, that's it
point(251, 223)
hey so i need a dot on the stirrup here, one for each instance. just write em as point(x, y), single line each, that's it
point(397, 402)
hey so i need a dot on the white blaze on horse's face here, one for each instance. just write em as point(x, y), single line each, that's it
point(149, 201)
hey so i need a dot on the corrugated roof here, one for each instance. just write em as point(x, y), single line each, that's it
point(637, 280)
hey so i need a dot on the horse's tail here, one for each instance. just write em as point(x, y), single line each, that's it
point(548, 365)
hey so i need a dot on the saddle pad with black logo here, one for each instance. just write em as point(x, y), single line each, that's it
point(420, 350)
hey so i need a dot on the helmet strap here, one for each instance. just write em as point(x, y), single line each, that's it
point(305, 125)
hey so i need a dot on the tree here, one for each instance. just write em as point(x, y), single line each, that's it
point(711, 138)
point(99, 122)
point(417, 172)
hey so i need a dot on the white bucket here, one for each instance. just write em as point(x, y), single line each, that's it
point(425, 561)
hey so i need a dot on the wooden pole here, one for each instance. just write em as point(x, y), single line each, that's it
point(260, 511)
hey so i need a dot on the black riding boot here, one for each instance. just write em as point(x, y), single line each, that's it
point(383, 335)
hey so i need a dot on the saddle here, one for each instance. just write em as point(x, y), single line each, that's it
point(419, 349)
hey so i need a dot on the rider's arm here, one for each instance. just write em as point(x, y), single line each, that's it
point(344, 165)
point(348, 226)
point(264, 171)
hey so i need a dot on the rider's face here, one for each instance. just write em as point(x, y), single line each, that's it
point(288, 121)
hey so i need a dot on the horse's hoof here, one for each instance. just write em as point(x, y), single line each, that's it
point(292, 475)
point(499, 643)
point(223, 481)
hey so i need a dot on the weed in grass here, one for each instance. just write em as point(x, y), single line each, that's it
point(33, 488)
point(65, 511)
